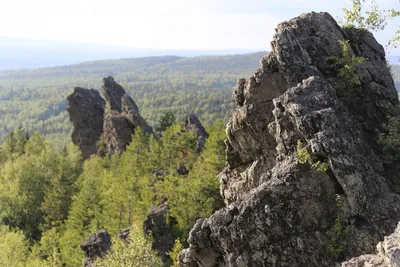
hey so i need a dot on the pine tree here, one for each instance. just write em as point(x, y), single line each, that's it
point(198, 194)
point(84, 212)
point(61, 188)
point(14, 145)
point(165, 121)
point(13, 248)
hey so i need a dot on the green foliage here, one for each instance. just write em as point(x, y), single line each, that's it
point(134, 252)
point(178, 147)
point(304, 157)
point(389, 139)
point(61, 188)
point(374, 18)
point(198, 194)
point(37, 186)
point(126, 190)
point(36, 98)
point(100, 145)
point(178, 247)
point(22, 183)
point(83, 214)
point(346, 67)
point(14, 145)
point(46, 253)
point(57, 203)
point(165, 121)
point(338, 233)
point(13, 248)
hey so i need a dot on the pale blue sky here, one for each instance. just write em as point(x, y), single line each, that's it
point(164, 24)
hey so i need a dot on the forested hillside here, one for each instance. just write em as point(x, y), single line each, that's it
point(51, 201)
point(36, 98)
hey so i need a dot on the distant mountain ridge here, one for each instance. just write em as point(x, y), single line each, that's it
point(18, 53)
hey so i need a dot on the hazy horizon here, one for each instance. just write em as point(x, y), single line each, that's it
point(23, 54)
point(19, 53)
point(49, 33)
point(161, 24)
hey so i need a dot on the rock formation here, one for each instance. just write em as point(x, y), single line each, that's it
point(161, 229)
point(86, 110)
point(95, 246)
point(156, 224)
point(121, 117)
point(388, 254)
point(192, 123)
point(283, 213)
point(182, 170)
point(116, 118)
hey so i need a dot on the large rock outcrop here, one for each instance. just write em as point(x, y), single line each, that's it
point(116, 118)
point(388, 254)
point(86, 111)
point(283, 213)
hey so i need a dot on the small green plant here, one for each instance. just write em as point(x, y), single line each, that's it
point(135, 251)
point(346, 65)
point(101, 148)
point(338, 233)
point(367, 14)
point(390, 139)
point(304, 157)
point(178, 247)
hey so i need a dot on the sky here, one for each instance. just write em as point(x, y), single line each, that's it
point(162, 24)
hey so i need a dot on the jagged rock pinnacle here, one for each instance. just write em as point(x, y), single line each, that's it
point(116, 118)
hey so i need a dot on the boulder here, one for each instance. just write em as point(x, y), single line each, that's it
point(182, 170)
point(96, 246)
